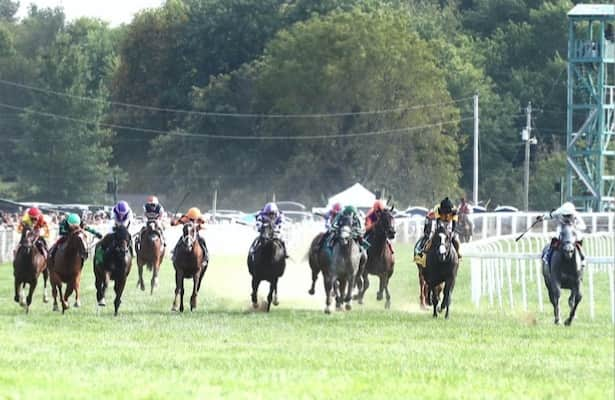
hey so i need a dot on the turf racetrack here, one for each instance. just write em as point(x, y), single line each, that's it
point(226, 350)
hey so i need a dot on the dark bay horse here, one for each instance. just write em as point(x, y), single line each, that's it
point(441, 266)
point(346, 255)
point(267, 263)
point(28, 264)
point(150, 252)
point(189, 261)
point(319, 258)
point(380, 258)
point(114, 265)
point(65, 267)
point(564, 271)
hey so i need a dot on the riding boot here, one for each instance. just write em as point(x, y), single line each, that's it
point(41, 245)
point(364, 243)
point(284, 248)
point(581, 254)
point(205, 251)
point(390, 246)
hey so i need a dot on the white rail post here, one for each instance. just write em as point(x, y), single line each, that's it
point(590, 272)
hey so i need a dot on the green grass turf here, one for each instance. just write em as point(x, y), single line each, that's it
point(226, 350)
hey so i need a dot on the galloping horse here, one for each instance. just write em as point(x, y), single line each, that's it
point(28, 263)
point(319, 258)
point(189, 262)
point(441, 265)
point(267, 263)
point(150, 252)
point(465, 228)
point(345, 263)
point(565, 271)
point(115, 265)
point(380, 259)
point(65, 267)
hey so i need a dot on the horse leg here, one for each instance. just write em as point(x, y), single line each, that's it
point(434, 299)
point(179, 279)
point(17, 291)
point(365, 279)
point(275, 294)
point(387, 303)
point(155, 269)
point(54, 294)
point(348, 297)
point(272, 287)
point(328, 289)
point(77, 285)
point(140, 283)
point(338, 287)
point(555, 293)
point(379, 296)
point(30, 294)
point(45, 278)
point(118, 287)
point(446, 301)
point(577, 299)
point(314, 279)
point(195, 287)
point(62, 299)
point(254, 295)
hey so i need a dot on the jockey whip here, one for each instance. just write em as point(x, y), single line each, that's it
point(528, 229)
point(180, 203)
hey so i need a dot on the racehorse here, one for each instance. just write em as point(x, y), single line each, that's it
point(465, 228)
point(115, 265)
point(65, 267)
point(564, 271)
point(441, 265)
point(267, 263)
point(319, 258)
point(380, 259)
point(28, 264)
point(189, 261)
point(150, 252)
point(346, 257)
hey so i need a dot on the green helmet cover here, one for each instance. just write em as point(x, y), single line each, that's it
point(349, 210)
point(73, 219)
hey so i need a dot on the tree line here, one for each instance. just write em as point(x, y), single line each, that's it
point(298, 98)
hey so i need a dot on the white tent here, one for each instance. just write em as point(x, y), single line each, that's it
point(356, 195)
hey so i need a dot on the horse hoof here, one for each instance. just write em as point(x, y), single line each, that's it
point(276, 303)
point(327, 311)
point(255, 305)
point(348, 307)
point(77, 304)
point(379, 297)
point(174, 309)
point(102, 303)
point(311, 292)
point(355, 297)
point(142, 287)
point(557, 322)
point(360, 301)
point(17, 300)
point(387, 305)
point(45, 299)
point(568, 322)
point(27, 309)
point(56, 308)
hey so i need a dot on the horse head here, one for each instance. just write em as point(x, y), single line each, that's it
point(267, 232)
point(442, 243)
point(76, 239)
point(151, 226)
point(189, 235)
point(121, 240)
point(568, 241)
point(27, 238)
point(385, 225)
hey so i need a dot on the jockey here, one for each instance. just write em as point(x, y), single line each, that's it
point(371, 219)
point(357, 227)
point(464, 207)
point(270, 214)
point(122, 215)
point(70, 222)
point(153, 211)
point(445, 212)
point(34, 219)
point(331, 214)
point(565, 215)
point(194, 216)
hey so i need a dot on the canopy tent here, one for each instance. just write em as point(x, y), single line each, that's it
point(356, 195)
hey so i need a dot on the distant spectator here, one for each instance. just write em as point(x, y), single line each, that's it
point(609, 33)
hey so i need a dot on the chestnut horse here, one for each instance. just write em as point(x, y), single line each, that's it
point(115, 265)
point(189, 262)
point(150, 252)
point(66, 266)
point(380, 259)
point(28, 264)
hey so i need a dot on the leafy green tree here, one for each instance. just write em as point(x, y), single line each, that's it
point(8, 9)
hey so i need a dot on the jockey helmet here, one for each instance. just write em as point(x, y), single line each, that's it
point(152, 200)
point(34, 212)
point(194, 213)
point(446, 206)
point(121, 211)
point(337, 207)
point(270, 208)
point(73, 219)
point(349, 210)
point(568, 209)
point(379, 205)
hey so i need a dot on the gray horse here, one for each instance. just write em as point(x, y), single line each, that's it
point(564, 271)
point(342, 273)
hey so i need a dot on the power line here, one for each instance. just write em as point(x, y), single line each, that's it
point(237, 137)
point(230, 115)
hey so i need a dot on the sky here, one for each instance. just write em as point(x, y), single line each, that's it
point(115, 12)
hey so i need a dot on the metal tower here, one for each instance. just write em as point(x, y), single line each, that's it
point(590, 123)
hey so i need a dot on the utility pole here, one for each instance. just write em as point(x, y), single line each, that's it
point(475, 180)
point(526, 137)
